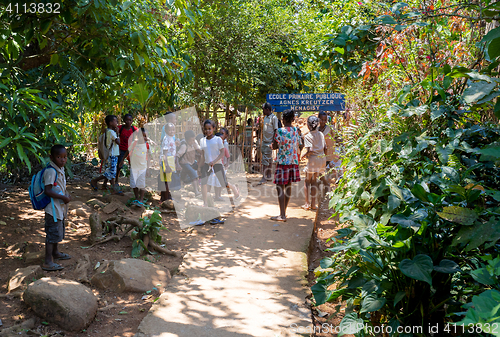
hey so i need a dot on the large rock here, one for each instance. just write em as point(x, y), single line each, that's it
point(130, 275)
point(20, 278)
point(67, 303)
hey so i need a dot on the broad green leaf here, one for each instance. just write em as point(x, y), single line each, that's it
point(479, 77)
point(494, 49)
point(489, 97)
point(45, 26)
point(410, 221)
point(350, 324)
point(447, 267)
point(372, 303)
point(477, 90)
point(140, 93)
point(492, 150)
point(387, 20)
point(492, 35)
point(326, 262)
point(54, 59)
point(494, 194)
point(461, 215)
point(398, 297)
point(320, 292)
point(419, 191)
point(482, 276)
point(486, 306)
point(419, 268)
point(397, 192)
point(5, 142)
point(437, 112)
point(475, 236)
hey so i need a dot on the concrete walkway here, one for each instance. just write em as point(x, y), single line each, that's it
point(247, 280)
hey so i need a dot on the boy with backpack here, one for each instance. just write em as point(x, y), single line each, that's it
point(110, 152)
point(56, 211)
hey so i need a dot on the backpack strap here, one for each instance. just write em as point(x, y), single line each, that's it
point(52, 199)
point(134, 129)
point(105, 140)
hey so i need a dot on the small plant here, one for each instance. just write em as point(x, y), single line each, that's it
point(147, 237)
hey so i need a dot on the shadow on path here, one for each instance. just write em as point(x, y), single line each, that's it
point(246, 280)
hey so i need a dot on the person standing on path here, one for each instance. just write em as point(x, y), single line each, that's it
point(286, 141)
point(269, 129)
point(314, 142)
point(124, 132)
point(330, 146)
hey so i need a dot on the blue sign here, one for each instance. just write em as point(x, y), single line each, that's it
point(307, 102)
point(281, 108)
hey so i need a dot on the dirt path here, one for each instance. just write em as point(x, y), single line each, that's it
point(246, 278)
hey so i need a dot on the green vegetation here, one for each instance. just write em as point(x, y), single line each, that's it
point(419, 198)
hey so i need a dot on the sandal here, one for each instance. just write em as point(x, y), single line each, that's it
point(62, 256)
point(307, 207)
point(278, 218)
point(93, 186)
point(52, 267)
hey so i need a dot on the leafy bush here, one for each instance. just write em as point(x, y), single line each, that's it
point(422, 203)
point(147, 235)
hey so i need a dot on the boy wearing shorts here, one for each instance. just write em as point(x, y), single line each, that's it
point(56, 189)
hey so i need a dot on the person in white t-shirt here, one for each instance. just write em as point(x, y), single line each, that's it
point(168, 162)
point(112, 142)
point(212, 149)
point(140, 156)
point(223, 134)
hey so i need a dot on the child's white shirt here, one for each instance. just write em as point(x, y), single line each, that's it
point(211, 148)
point(110, 139)
point(168, 144)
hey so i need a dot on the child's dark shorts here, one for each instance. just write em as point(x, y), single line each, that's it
point(219, 173)
point(54, 231)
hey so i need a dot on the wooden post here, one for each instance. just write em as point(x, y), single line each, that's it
point(244, 130)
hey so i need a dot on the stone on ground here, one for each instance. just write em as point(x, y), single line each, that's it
point(34, 257)
point(67, 303)
point(19, 330)
point(96, 202)
point(20, 278)
point(79, 208)
point(130, 275)
point(194, 212)
point(168, 204)
point(113, 206)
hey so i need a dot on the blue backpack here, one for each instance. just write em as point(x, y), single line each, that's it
point(38, 198)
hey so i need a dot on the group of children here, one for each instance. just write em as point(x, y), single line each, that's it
point(199, 160)
point(323, 152)
point(203, 163)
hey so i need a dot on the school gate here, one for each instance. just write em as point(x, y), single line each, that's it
point(307, 102)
